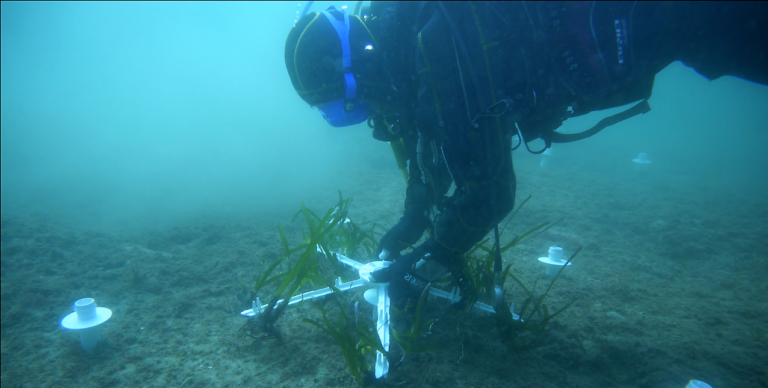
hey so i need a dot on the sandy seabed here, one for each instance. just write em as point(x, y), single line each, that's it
point(670, 286)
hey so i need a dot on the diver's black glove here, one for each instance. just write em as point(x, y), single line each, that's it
point(404, 281)
point(406, 232)
point(410, 274)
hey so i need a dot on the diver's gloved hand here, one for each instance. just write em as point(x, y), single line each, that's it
point(404, 281)
point(407, 231)
point(411, 273)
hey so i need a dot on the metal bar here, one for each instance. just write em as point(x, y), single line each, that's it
point(454, 297)
point(344, 259)
point(310, 295)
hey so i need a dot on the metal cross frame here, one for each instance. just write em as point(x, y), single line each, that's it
point(377, 295)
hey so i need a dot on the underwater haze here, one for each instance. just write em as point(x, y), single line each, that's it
point(140, 112)
point(149, 149)
point(135, 113)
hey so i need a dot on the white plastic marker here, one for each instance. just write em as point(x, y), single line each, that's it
point(546, 157)
point(642, 162)
point(86, 319)
point(554, 261)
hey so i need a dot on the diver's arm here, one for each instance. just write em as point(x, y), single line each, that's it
point(415, 219)
point(477, 153)
point(472, 211)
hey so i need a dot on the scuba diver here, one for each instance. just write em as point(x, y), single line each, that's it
point(456, 86)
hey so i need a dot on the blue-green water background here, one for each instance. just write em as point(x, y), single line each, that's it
point(148, 111)
point(124, 112)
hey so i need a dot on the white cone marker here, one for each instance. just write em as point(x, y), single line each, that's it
point(86, 319)
point(546, 157)
point(554, 261)
point(642, 163)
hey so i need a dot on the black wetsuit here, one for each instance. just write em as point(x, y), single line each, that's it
point(469, 76)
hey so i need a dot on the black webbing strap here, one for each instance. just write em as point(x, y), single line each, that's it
point(557, 137)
